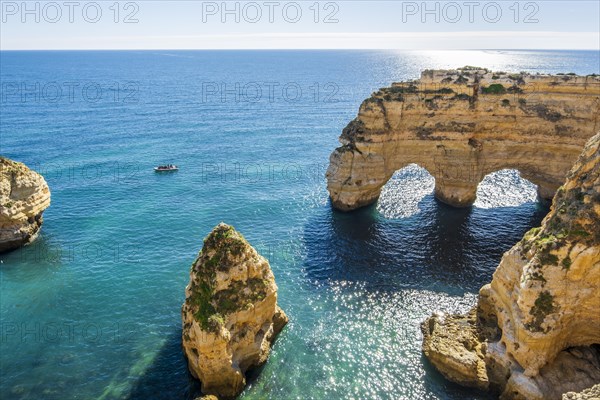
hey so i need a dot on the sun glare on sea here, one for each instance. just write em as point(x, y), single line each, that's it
point(445, 59)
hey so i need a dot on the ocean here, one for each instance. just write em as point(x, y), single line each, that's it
point(91, 310)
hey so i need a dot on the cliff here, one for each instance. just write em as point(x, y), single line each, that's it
point(461, 125)
point(24, 195)
point(230, 315)
point(535, 333)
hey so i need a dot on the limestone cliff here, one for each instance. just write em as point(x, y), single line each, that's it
point(24, 195)
point(461, 125)
point(230, 315)
point(535, 333)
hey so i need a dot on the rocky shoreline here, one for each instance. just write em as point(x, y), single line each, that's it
point(535, 332)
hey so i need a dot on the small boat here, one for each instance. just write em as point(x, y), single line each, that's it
point(166, 168)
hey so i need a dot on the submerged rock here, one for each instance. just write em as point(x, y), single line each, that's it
point(24, 195)
point(544, 300)
point(230, 315)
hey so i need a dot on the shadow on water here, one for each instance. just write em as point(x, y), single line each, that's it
point(440, 248)
point(168, 376)
point(44, 252)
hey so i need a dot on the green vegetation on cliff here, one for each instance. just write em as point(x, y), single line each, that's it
point(543, 306)
point(495, 88)
point(223, 248)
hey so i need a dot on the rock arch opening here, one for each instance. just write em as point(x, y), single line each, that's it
point(395, 201)
point(402, 194)
point(505, 188)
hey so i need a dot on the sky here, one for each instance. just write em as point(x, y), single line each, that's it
point(346, 24)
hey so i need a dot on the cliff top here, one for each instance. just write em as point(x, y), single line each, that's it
point(228, 276)
point(469, 81)
point(23, 192)
point(10, 171)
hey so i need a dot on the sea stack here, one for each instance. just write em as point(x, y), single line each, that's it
point(230, 314)
point(535, 332)
point(461, 125)
point(24, 195)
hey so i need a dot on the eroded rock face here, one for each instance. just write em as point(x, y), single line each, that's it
point(546, 288)
point(456, 346)
point(230, 315)
point(24, 195)
point(544, 300)
point(592, 393)
point(461, 125)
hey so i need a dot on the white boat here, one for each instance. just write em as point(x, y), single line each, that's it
point(166, 168)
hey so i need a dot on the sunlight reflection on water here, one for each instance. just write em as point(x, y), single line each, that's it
point(400, 197)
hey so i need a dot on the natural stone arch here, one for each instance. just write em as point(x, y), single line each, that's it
point(457, 169)
point(453, 125)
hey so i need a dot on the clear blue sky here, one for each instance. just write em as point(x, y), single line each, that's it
point(286, 24)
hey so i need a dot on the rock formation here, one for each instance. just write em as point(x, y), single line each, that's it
point(230, 315)
point(461, 125)
point(535, 333)
point(24, 195)
point(592, 393)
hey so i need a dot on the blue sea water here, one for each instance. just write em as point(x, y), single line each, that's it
point(91, 310)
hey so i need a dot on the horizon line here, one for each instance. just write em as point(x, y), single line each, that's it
point(395, 41)
point(306, 49)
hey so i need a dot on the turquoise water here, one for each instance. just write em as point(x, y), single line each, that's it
point(91, 310)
